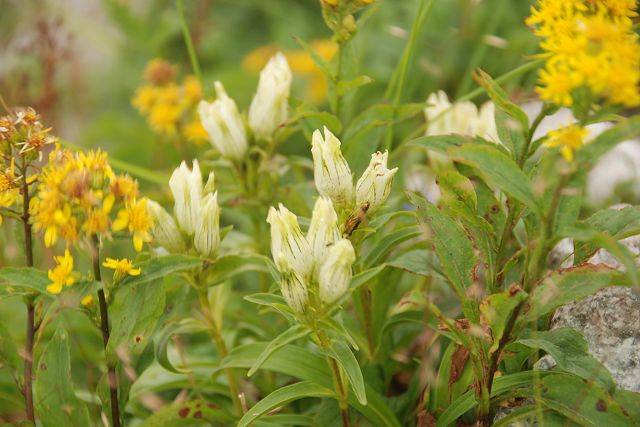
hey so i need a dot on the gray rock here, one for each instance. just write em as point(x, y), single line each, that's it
point(610, 322)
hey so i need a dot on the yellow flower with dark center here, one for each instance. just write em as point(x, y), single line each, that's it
point(123, 267)
point(569, 139)
point(62, 274)
point(136, 218)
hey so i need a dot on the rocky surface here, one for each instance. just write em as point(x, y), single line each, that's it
point(610, 322)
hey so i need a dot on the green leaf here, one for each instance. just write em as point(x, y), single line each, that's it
point(156, 269)
point(347, 360)
point(497, 309)
point(585, 403)
point(273, 301)
point(25, 279)
point(134, 313)
point(189, 414)
point(511, 133)
point(163, 338)
point(501, 385)
point(444, 143)
point(310, 366)
point(53, 391)
point(346, 86)
point(228, 266)
point(454, 249)
point(617, 223)
point(519, 120)
point(457, 189)
point(571, 285)
point(281, 397)
point(389, 242)
point(365, 276)
point(419, 261)
point(8, 351)
point(627, 129)
point(571, 352)
point(499, 170)
point(290, 335)
point(601, 240)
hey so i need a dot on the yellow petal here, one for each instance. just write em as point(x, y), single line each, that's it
point(50, 236)
point(134, 272)
point(122, 221)
point(137, 242)
point(54, 288)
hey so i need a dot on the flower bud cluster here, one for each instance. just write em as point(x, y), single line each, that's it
point(226, 126)
point(316, 268)
point(333, 177)
point(196, 214)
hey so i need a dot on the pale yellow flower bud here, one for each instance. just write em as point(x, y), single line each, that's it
point(332, 175)
point(287, 242)
point(462, 118)
point(335, 272)
point(374, 186)
point(292, 286)
point(207, 235)
point(323, 230)
point(269, 107)
point(186, 186)
point(165, 231)
point(223, 122)
point(210, 186)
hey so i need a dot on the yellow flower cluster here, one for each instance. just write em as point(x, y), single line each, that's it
point(22, 139)
point(588, 45)
point(569, 139)
point(301, 64)
point(76, 195)
point(169, 107)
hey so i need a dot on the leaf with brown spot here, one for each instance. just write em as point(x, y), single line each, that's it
point(458, 361)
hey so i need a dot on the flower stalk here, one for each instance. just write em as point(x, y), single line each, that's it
point(214, 331)
point(28, 245)
point(112, 378)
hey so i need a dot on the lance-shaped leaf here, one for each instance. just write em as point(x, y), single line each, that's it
point(498, 169)
point(570, 351)
point(24, 280)
point(347, 360)
point(454, 249)
point(572, 284)
point(55, 399)
point(191, 413)
point(156, 269)
point(281, 397)
point(293, 333)
point(496, 312)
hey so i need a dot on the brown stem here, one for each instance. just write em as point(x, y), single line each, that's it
point(112, 378)
point(28, 358)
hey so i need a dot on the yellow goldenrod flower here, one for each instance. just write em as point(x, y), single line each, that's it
point(569, 139)
point(137, 219)
point(588, 44)
point(163, 118)
point(62, 274)
point(87, 301)
point(194, 132)
point(77, 193)
point(123, 267)
point(192, 90)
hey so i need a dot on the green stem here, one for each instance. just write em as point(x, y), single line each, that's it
point(400, 74)
point(112, 378)
point(221, 346)
point(188, 41)
point(338, 380)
